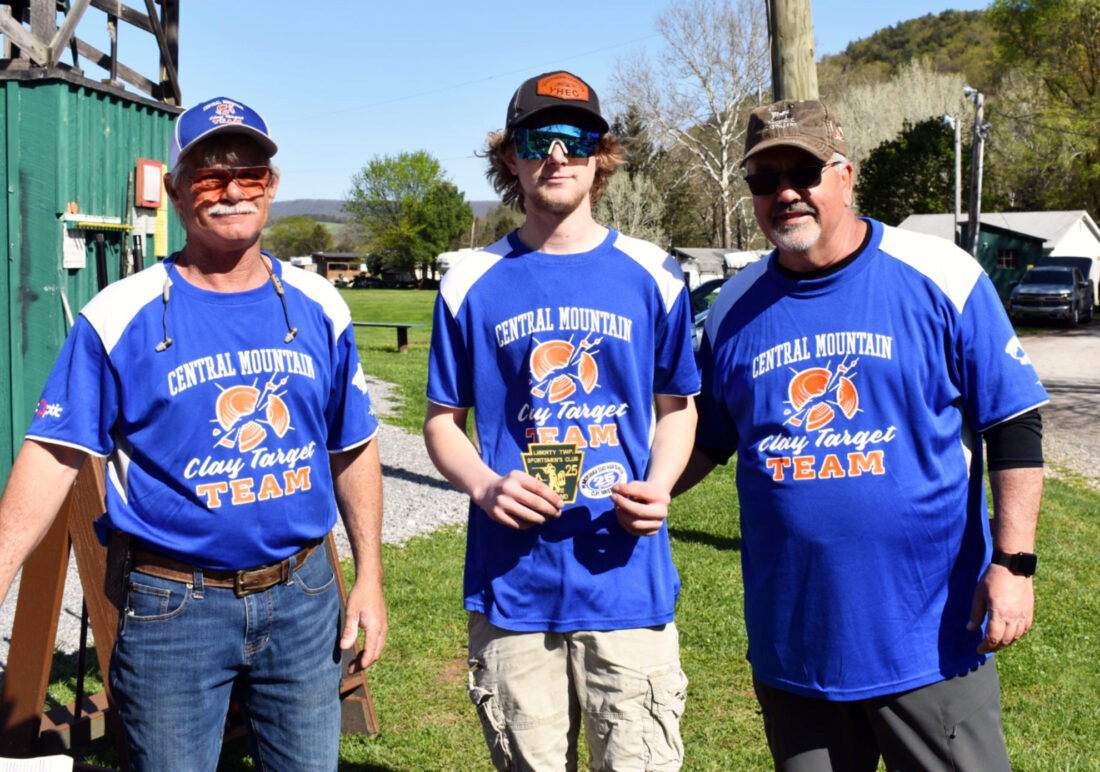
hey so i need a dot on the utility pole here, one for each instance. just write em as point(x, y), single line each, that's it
point(974, 208)
point(953, 122)
point(791, 32)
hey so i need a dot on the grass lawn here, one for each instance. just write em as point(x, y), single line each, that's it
point(1050, 680)
point(378, 346)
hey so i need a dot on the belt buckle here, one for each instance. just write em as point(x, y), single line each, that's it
point(238, 588)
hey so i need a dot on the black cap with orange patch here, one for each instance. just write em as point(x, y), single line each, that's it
point(556, 97)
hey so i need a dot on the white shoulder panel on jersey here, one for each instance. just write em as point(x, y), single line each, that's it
point(456, 283)
point(951, 269)
point(318, 289)
point(111, 311)
point(732, 291)
point(660, 264)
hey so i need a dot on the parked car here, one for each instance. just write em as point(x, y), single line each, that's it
point(703, 295)
point(1083, 264)
point(362, 281)
point(1052, 292)
point(701, 299)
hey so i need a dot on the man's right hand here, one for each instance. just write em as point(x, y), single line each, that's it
point(519, 500)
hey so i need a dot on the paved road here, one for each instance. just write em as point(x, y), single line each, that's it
point(1068, 362)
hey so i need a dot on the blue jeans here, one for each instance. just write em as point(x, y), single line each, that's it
point(182, 649)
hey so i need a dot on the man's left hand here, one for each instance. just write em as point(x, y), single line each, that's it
point(1008, 601)
point(641, 506)
point(366, 610)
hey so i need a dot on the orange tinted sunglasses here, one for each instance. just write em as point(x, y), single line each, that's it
point(252, 180)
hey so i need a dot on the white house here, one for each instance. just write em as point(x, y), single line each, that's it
point(1071, 233)
point(701, 264)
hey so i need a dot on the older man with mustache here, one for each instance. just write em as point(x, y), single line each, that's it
point(852, 371)
point(225, 389)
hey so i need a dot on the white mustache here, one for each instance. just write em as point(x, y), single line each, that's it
point(800, 207)
point(241, 207)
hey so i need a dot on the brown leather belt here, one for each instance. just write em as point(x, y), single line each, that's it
point(244, 582)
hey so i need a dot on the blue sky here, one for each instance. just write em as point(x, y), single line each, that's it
point(340, 82)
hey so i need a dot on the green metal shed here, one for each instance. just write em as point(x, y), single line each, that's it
point(1005, 254)
point(69, 144)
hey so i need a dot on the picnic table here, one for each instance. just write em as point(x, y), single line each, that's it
point(402, 332)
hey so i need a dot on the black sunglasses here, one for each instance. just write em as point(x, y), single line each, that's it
point(800, 178)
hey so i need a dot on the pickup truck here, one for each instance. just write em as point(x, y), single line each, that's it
point(1052, 292)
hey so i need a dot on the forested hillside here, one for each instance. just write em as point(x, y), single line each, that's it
point(952, 41)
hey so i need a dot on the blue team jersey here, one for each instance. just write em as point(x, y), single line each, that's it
point(559, 356)
point(218, 445)
point(853, 402)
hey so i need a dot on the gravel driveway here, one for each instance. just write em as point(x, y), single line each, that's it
point(418, 500)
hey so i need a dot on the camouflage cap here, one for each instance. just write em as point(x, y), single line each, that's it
point(807, 124)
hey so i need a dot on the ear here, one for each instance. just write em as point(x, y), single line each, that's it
point(509, 158)
point(847, 178)
point(272, 187)
point(172, 191)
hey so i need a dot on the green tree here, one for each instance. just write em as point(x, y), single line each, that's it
point(352, 236)
point(952, 41)
point(297, 236)
point(497, 223)
point(391, 198)
point(912, 174)
point(1058, 41)
point(442, 217)
point(641, 154)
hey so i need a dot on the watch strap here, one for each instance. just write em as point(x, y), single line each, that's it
point(1021, 563)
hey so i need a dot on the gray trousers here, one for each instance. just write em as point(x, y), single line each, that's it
point(949, 725)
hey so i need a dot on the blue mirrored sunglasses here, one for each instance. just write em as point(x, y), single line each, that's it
point(537, 144)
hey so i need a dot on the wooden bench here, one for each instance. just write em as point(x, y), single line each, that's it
point(402, 332)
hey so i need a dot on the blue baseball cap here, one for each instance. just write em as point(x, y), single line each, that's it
point(219, 115)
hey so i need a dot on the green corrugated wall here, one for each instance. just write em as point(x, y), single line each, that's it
point(64, 140)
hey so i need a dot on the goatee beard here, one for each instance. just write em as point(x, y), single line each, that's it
point(796, 238)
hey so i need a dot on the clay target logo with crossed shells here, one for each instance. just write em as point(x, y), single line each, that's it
point(558, 367)
point(815, 396)
point(243, 412)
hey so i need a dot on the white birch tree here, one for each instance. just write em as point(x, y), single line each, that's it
point(695, 94)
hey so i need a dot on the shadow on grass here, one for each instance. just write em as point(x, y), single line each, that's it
point(691, 536)
point(64, 673)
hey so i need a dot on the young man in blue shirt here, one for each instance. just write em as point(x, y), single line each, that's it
point(571, 343)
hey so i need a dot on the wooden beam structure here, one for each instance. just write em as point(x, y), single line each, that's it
point(33, 39)
point(65, 31)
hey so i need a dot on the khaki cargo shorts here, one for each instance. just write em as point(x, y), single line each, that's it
point(533, 689)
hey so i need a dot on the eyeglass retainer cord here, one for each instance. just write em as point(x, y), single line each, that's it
point(275, 282)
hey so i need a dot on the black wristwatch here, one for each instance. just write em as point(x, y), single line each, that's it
point(1021, 564)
